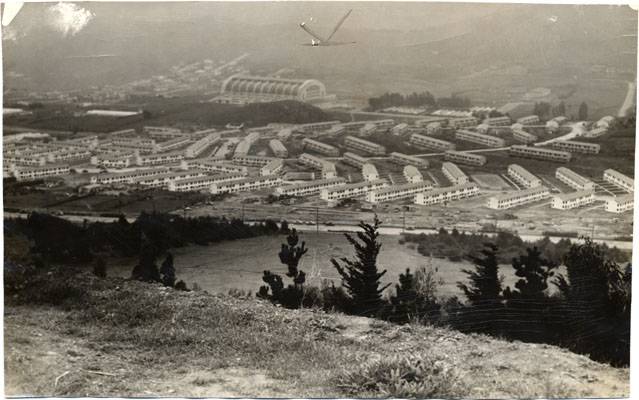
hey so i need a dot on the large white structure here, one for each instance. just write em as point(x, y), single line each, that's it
point(539, 153)
point(464, 122)
point(126, 177)
point(479, 138)
point(369, 172)
point(404, 159)
point(605, 122)
point(201, 182)
point(465, 158)
point(328, 168)
point(252, 161)
point(574, 146)
point(455, 175)
point(351, 190)
point(244, 89)
point(246, 184)
point(619, 179)
point(278, 148)
point(39, 172)
point(446, 194)
point(523, 177)
point(163, 180)
point(354, 160)
point(524, 137)
point(195, 149)
point(397, 192)
point(518, 198)
point(174, 143)
point(355, 143)
point(529, 120)
point(412, 174)
point(274, 167)
point(428, 142)
point(619, 204)
point(215, 166)
point(319, 147)
point(309, 188)
point(567, 201)
point(498, 121)
point(573, 179)
point(312, 127)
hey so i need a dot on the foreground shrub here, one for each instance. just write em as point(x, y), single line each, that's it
point(412, 376)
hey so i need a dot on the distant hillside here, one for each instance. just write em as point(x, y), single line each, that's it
point(173, 112)
point(84, 336)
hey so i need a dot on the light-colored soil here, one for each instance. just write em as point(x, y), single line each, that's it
point(182, 350)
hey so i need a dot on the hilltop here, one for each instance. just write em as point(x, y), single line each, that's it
point(85, 336)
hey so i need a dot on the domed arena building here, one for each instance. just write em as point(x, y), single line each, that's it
point(244, 89)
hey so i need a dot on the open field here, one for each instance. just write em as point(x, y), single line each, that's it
point(239, 264)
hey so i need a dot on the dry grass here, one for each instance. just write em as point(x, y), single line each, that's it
point(128, 338)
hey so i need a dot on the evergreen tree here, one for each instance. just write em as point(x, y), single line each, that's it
point(583, 111)
point(167, 270)
point(484, 291)
point(534, 272)
point(361, 276)
point(290, 255)
point(146, 270)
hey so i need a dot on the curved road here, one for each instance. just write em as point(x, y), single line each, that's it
point(628, 101)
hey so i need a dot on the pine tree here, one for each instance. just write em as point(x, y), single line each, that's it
point(361, 276)
point(146, 270)
point(290, 255)
point(167, 270)
point(99, 268)
point(485, 287)
point(484, 292)
point(534, 272)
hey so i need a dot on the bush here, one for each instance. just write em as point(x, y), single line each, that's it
point(412, 376)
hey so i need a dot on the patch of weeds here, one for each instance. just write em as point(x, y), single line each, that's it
point(411, 376)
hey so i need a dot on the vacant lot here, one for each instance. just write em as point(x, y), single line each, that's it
point(239, 264)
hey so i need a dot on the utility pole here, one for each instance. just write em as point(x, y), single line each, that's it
point(317, 219)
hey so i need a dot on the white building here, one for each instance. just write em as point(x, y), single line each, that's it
point(328, 168)
point(479, 138)
point(433, 128)
point(523, 136)
point(215, 166)
point(69, 156)
point(529, 120)
point(446, 194)
point(573, 179)
point(369, 172)
point(272, 168)
point(567, 201)
point(465, 158)
point(539, 153)
point(412, 174)
point(354, 160)
point(352, 190)
point(312, 127)
point(252, 161)
point(518, 198)
point(430, 143)
point(278, 148)
point(523, 177)
point(173, 144)
point(39, 172)
point(619, 204)
point(159, 158)
point(619, 179)
point(319, 147)
point(465, 122)
point(246, 184)
point(113, 160)
point(355, 143)
point(577, 147)
point(201, 182)
point(309, 188)
point(126, 177)
point(498, 121)
point(397, 192)
point(163, 180)
point(605, 122)
point(196, 148)
point(404, 159)
point(595, 133)
point(399, 129)
point(455, 175)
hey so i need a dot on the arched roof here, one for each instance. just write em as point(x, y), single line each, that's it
point(243, 84)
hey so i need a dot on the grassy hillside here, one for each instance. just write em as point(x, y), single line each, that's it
point(84, 336)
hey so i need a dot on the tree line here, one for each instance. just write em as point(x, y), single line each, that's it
point(423, 99)
point(589, 312)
